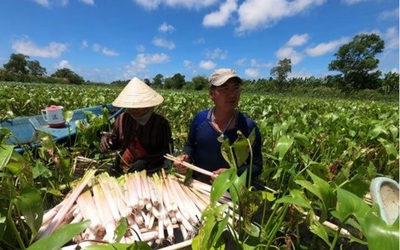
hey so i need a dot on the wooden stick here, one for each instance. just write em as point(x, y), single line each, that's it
point(188, 165)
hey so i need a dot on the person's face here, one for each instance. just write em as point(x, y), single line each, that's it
point(226, 97)
point(138, 112)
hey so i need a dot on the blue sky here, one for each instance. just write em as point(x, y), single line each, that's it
point(107, 40)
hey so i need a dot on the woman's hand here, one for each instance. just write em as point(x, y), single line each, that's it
point(217, 172)
point(178, 163)
point(105, 144)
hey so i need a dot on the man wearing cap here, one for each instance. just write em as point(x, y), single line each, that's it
point(142, 135)
point(211, 127)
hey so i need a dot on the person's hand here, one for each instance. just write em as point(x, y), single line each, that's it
point(105, 144)
point(138, 166)
point(178, 163)
point(217, 172)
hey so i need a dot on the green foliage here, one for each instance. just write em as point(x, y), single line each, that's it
point(68, 74)
point(356, 60)
point(281, 71)
point(35, 69)
point(17, 64)
point(158, 80)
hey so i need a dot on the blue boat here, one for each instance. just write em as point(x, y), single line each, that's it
point(25, 129)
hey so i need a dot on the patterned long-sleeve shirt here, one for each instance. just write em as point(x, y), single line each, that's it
point(155, 137)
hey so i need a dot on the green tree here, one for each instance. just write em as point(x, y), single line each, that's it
point(68, 74)
point(178, 81)
point(158, 80)
point(200, 82)
point(168, 83)
point(35, 69)
point(390, 83)
point(356, 60)
point(281, 71)
point(17, 64)
point(147, 81)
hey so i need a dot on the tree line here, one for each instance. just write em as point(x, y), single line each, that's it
point(355, 63)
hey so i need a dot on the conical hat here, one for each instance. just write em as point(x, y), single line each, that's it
point(137, 94)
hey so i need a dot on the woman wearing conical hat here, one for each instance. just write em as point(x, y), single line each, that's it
point(142, 135)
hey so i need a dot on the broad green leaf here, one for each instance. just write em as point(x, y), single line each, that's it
point(242, 149)
point(221, 184)
point(68, 115)
point(296, 197)
point(30, 205)
point(60, 237)
point(317, 228)
point(379, 235)
point(267, 196)
point(227, 153)
point(349, 204)
point(321, 189)
point(5, 154)
point(394, 131)
point(40, 169)
point(283, 146)
point(301, 140)
point(121, 229)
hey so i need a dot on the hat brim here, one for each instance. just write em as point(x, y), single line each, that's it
point(137, 94)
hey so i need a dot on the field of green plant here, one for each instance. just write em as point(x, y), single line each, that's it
point(319, 155)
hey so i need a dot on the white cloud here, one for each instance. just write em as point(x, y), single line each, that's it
point(189, 4)
point(252, 73)
point(140, 48)
point(217, 54)
point(258, 14)
point(297, 40)
point(64, 64)
point(323, 48)
point(241, 61)
point(220, 17)
point(388, 14)
point(85, 44)
point(62, 3)
point(289, 53)
point(89, 2)
point(99, 48)
point(44, 3)
point(188, 64)
point(27, 47)
point(391, 37)
point(96, 47)
point(256, 63)
point(351, 2)
point(199, 41)
point(165, 27)
point(159, 42)
point(207, 64)
point(108, 52)
point(142, 61)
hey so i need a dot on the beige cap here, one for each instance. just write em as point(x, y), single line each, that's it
point(221, 76)
point(137, 94)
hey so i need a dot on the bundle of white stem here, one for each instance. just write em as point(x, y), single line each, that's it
point(152, 206)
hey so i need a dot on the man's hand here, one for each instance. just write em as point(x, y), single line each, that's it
point(105, 144)
point(182, 169)
point(217, 172)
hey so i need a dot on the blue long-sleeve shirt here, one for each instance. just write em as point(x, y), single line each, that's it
point(205, 149)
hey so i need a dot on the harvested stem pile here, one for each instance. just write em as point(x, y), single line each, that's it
point(155, 208)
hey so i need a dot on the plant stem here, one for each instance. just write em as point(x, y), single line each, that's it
point(281, 217)
point(13, 228)
point(336, 238)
